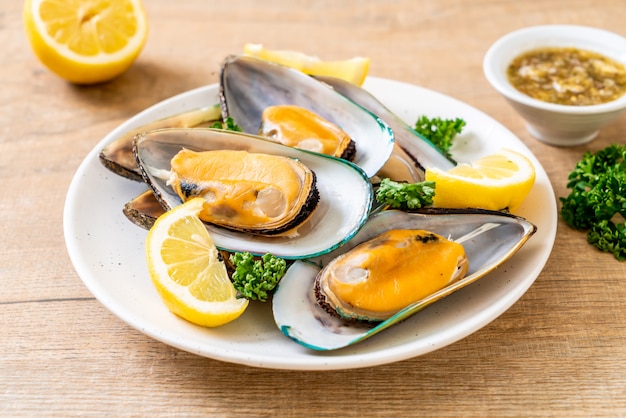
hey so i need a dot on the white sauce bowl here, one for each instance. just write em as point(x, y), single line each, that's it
point(555, 124)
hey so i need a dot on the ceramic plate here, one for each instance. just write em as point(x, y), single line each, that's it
point(108, 254)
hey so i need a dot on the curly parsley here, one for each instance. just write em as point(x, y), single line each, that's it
point(597, 201)
point(439, 131)
point(256, 278)
point(405, 195)
point(228, 125)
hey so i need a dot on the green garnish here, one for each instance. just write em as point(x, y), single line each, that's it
point(228, 125)
point(405, 195)
point(256, 278)
point(439, 131)
point(597, 202)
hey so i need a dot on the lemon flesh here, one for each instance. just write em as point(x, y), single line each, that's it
point(86, 41)
point(186, 270)
point(496, 182)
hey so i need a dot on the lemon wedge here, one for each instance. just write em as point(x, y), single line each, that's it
point(86, 41)
point(353, 70)
point(498, 181)
point(186, 270)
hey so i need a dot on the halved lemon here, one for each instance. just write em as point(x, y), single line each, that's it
point(186, 270)
point(353, 70)
point(498, 181)
point(86, 41)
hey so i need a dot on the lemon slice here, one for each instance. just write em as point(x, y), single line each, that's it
point(186, 270)
point(498, 181)
point(86, 41)
point(353, 70)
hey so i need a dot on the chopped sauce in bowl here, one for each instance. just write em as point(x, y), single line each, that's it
point(568, 76)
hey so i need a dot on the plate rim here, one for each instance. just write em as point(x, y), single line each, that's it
point(311, 360)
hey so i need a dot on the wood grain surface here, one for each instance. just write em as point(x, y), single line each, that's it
point(559, 351)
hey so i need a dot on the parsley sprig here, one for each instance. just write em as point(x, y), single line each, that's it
point(256, 278)
point(400, 195)
point(228, 124)
point(597, 201)
point(440, 131)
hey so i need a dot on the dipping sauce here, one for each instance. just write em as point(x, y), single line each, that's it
point(568, 76)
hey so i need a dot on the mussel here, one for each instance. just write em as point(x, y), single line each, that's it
point(248, 86)
point(488, 239)
point(298, 127)
point(252, 192)
point(381, 276)
point(240, 166)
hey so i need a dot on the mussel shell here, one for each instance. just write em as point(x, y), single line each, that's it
point(345, 192)
point(118, 156)
point(143, 210)
point(249, 85)
point(413, 147)
point(489, 238)
point(509, 232)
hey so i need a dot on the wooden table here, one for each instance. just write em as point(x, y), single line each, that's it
point(560, 350)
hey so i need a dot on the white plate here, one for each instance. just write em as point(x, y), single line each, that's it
point(108, 253)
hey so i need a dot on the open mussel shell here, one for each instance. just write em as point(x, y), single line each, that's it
point(412, 152)
point(248, 86)
point(118, 156)
point(345, 193)
point(489, 239)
